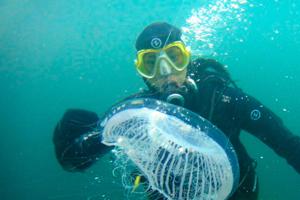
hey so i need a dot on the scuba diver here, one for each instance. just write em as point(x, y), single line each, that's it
point(203, 86)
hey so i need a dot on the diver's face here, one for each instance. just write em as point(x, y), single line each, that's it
point(167, 65)
point(168, 69)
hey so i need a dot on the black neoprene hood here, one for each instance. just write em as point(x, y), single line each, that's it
point(157, 35)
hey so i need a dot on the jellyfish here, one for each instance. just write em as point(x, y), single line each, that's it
point(180, 154)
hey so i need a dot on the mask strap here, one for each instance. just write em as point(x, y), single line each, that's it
point(180, 9)
point(168, 37)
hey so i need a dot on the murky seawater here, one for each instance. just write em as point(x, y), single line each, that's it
point(56, 55)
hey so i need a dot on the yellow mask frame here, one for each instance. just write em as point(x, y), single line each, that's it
point(178, 53)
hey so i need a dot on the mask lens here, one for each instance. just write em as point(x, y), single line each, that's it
point(178, 54)
point(146, 63)
point(149, 60)
point(175, 55)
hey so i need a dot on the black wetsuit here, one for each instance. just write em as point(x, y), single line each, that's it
point(227, 107)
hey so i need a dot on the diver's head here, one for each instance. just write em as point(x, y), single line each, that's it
point(162, 57)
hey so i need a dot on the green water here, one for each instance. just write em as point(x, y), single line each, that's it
point(62, 54)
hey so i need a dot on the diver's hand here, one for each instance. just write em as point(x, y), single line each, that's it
point(74, 123)
point(76, 140)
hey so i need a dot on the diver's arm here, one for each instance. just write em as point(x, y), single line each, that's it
point(77, 144)
point(269, 128)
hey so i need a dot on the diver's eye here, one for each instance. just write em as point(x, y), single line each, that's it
point(173, 57)
point(175, 54)
point(149, 58)
point(149, 62)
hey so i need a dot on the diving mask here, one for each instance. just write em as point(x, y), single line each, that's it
point(174, 56)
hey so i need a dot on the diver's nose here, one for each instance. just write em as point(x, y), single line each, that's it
point(164, 68)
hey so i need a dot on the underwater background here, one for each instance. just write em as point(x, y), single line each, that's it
point(62, 54)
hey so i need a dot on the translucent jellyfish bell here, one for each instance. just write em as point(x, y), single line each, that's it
point(181, 154)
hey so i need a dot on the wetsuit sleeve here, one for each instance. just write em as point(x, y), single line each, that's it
point(77, 144)
point(269, 128)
